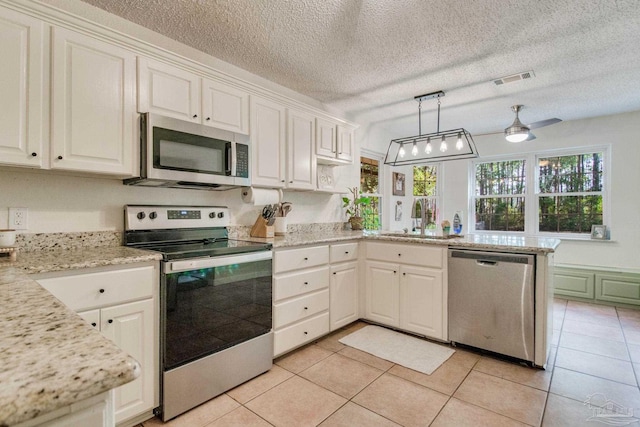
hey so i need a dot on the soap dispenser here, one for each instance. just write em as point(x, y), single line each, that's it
point(457, 222)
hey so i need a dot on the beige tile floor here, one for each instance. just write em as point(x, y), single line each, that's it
point(596, 351)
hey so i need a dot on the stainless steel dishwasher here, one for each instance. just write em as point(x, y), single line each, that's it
point(491, 301)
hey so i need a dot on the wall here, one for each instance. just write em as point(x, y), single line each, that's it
point(622, 132)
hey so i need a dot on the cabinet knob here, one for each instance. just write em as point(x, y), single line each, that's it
point(195, 116)
point(110, 321)
point(290, 182)
point(101, 291)
point(94, 324)
point(306, 259)
point(346, 252)
point(306, 283)
point(282, 180)
point(59, 157)
point(306, 308)
point(334, 272)
point(394, 272)
point(305, 332)
point(34, 154)
point(208, 118)
point(404, 274)
point(399, 254)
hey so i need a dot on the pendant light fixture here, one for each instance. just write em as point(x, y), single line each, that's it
point(422, 150)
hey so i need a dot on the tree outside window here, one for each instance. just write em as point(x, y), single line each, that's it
point(370, 186)
point(500, 195)
point(425, 185)
point(570, 193)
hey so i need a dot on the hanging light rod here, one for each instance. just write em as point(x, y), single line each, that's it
point(421, 146)
point(431, 95)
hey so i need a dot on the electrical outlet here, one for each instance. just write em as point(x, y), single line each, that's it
point(19, 218)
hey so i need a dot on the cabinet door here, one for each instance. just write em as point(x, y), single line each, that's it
point(301, 163)
point(382, 292)
point(225, 107)
point(93, 105)
point(344, 295)
point(168, 90)
point(267, 143)
point(131, 327)
point(421, 301)
point(21, 75)
point(326, 138)
point(346, 143)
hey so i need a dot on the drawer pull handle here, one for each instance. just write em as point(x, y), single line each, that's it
point(110, 321)
point(101, 291)
point(94, 324)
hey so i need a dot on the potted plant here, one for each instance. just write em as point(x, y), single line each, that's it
point(354, 205)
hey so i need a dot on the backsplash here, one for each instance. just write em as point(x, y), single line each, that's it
point(31, 242)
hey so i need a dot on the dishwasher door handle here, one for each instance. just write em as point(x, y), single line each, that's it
point(487, 262)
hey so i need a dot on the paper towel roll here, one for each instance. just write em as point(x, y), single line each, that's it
point(261, 196)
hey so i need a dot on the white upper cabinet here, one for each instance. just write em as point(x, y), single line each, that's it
point(168, 90)
point(21, 90)
point(225, 107)
point(301, 163)
point(92, 106)
point(268, 143)
point(334, 143)
point(346, 143)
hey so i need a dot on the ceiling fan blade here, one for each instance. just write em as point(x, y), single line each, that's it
point(531, 137)
point(543, 123)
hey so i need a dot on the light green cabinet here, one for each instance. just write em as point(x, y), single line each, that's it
point(597, 285)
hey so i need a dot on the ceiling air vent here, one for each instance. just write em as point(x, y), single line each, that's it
point(514, 78)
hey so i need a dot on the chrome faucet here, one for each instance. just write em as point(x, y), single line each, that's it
point(420, 204)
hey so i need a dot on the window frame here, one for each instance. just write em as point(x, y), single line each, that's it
point(532, 191)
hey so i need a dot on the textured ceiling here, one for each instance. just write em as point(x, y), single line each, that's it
point(369, 58)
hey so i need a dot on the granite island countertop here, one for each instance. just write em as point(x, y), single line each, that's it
point(499, 242)
point(49, 356)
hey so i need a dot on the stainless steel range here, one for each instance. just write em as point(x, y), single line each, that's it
point(215, 302)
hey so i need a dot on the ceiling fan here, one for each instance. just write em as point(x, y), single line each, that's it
point(519, 132)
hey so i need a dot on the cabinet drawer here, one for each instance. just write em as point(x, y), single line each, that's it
point(83, 291)
point(300, 333)
point(343, 252)
point(293, 284)
point(295, 259)
point(299, 308)
point(417, 254)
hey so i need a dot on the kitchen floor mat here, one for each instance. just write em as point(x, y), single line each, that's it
point(410, 352)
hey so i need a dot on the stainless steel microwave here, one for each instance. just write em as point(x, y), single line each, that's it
point(179, 154)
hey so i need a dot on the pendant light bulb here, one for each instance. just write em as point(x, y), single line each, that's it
point(401, 152)
point(459, 143)
point(414, 150)
point(443, 144)
point(428, 148)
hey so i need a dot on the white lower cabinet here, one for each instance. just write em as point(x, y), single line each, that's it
point(344, 294)
point(300, 296)
point(406, 296)
point(121, 303)
point(96, 411)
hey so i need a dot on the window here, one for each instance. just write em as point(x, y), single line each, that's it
point(546, 193)
point(500, 195)
point(370, 186)
point(425, 185)
point(570, 192)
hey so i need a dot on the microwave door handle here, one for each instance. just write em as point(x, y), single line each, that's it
point(231, 160)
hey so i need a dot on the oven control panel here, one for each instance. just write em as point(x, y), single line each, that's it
point(156, 217)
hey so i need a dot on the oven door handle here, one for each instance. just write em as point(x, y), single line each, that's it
point(198, 263)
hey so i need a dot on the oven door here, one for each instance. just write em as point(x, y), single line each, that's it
point(211, 304)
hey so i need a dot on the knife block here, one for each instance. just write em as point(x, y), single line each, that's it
point(261, 229)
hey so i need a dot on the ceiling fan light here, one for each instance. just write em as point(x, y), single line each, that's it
point(517, 132)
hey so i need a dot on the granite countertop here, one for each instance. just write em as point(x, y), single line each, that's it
point(49, 356)
point(476, 241)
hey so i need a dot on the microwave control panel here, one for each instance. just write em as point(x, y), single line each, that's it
point(242, 160)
